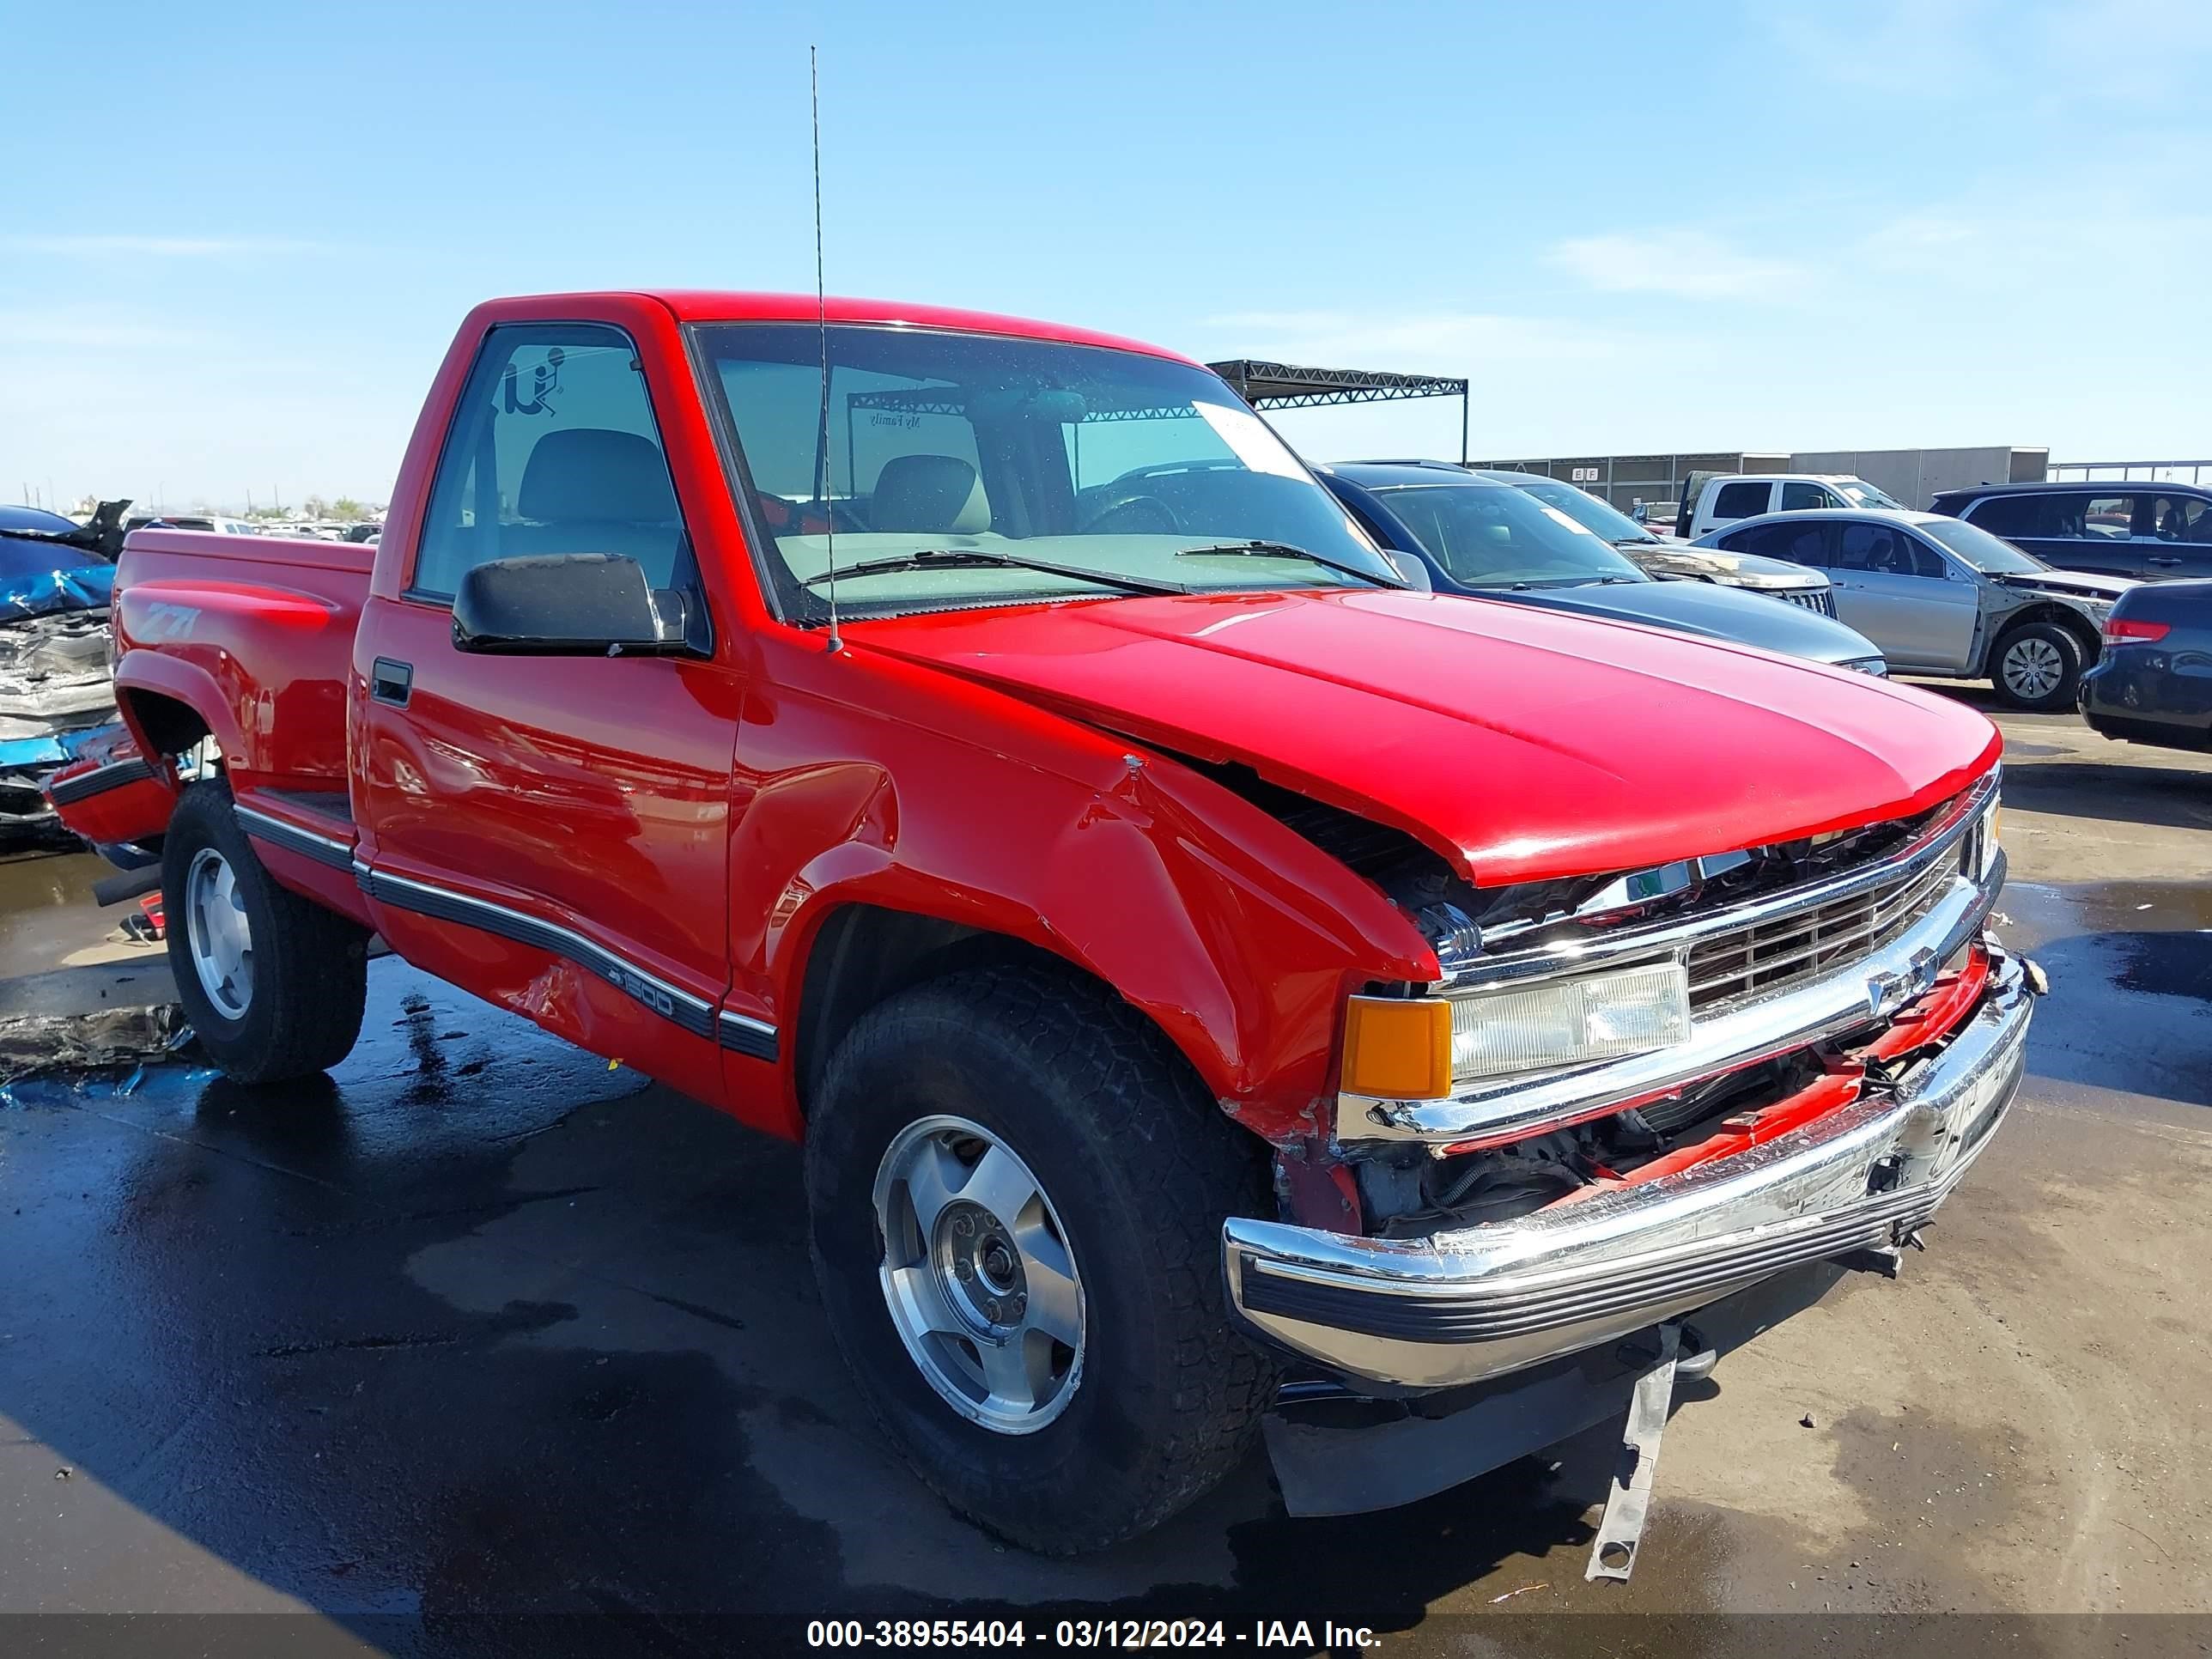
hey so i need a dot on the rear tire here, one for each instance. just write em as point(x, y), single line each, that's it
point(1121, 1172)
point(2038, 665)
point(274, 985)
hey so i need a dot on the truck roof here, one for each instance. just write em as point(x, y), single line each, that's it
point(740, 306)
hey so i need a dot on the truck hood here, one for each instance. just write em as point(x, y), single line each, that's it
point(1713, 613)
point(1519, 744)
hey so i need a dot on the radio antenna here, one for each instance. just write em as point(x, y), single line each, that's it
point(822, 327)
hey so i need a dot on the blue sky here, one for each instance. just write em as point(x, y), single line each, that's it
point(231, 261)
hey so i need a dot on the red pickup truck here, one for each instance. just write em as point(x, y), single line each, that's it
point(1212, 982)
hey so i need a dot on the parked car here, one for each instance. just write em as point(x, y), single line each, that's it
point(363, 533)
point(1944, 597)
point(1492, 534)
point(1663, 555)
point(2151, 533)
point(1190, 959)
point(2154, 683)
point(1714, 498)
point(1656, 515)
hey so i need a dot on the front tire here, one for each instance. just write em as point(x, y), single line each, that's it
point(1061, 1368)
point(2038, 665)
point(273, 984)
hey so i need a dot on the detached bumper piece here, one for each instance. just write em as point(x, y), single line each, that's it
point(1482, 1302)
point(1628, 1500)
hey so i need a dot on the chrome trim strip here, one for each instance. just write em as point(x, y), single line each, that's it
point(1482, 1301)
point(693, 1013)
point(1857, 994)
point(97, 781)
point(742, 1034)
point(1599, 950)
point(281, 832)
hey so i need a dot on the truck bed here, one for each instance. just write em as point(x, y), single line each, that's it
point(256, 633)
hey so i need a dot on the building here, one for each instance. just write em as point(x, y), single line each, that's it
point(1912, 476)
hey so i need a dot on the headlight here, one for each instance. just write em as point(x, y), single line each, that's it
point(1632, 1011)
point(1983, 846)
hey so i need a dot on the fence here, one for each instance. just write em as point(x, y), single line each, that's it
point(2124, 471)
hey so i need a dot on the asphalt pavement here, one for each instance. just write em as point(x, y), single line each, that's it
point(481, 1345)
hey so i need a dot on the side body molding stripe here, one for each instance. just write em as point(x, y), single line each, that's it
point(738, 1032)
point(323, 849)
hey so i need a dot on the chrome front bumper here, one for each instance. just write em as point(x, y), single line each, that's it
point(1484, 1301)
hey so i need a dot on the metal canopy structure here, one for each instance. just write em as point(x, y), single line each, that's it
point(1291, 385)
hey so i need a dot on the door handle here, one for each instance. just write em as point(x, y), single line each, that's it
point(2169, 560)
point(392, 682)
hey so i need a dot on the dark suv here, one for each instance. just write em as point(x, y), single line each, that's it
point(2155, 532)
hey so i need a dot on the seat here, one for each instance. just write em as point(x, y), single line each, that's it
point(592, 490)
point(932, 494)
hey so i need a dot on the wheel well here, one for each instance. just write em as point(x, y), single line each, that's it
point(170, 726)
point(865, 954)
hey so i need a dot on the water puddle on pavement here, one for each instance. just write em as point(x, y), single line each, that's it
point(2130, 965)
point(47, 913)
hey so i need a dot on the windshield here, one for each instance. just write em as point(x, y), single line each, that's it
point(1859, 493)
point(1602, 521)
point(1500, 536)
point(1080, 456)
point(1986, 553)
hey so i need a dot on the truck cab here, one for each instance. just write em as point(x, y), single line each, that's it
point(1715, 499)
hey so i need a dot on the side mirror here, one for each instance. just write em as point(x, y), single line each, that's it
point(569, 605)
point(1414, 574)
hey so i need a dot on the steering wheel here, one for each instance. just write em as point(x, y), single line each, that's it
point(1137, 505)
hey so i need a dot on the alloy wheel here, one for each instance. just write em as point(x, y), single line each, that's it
point(978, 1277)
point(217, 932)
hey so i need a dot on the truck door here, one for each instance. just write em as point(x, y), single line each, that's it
point(552, 833)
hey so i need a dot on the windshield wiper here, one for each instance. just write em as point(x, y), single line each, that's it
point(949, 558)
point(1282, 551)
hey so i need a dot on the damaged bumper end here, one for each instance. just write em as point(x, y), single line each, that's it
point(1462, 1306)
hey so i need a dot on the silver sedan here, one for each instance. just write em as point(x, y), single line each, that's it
point(1942, 598)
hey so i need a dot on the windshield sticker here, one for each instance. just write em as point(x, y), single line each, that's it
point(1250, 441)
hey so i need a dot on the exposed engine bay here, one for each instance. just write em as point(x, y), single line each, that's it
point(1410, 1192)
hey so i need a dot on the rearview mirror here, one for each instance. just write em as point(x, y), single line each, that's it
point(569, 605)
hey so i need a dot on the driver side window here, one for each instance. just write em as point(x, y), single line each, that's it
point(552, 449)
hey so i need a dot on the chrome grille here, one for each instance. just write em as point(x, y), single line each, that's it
point(1822, 599)
point(1772, 956)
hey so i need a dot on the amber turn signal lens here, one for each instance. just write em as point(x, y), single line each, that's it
point(1396, 1049)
